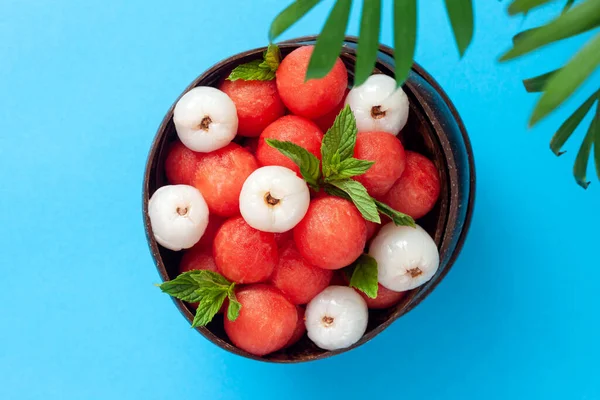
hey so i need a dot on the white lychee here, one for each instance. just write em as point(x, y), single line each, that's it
point(378, 105)
point(205, 119)
point(274, 199)
point(336, 318)
point(406, 257)
point(178, 215)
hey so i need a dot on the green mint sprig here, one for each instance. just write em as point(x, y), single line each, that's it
point(258, 70)
point(337, 168)
point(363, 275)
point(208, 289)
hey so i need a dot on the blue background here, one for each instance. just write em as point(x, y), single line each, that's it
point(83, 87)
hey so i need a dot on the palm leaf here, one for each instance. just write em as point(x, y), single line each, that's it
point(405, 37)
point(568, 127)
point(575, 21)
point(562, 84)
point(524, 6)
point(537, 83)
point(288, 17)
point(583, 156)
point(460, 13)
point(329, 43)
point(368, 42)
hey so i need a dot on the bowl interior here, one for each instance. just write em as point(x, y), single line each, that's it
point(419, 135)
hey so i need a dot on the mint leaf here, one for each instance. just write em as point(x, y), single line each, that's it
point(233, 311)
point(361, 199)
point(259, 70)
point(207, 288)
point(348, 168)
point(272, 58)
point(252, 71)
point(183, 287)
point(304, 159)
point(397, 217)
point(364, 275)
point(208, 307)
point(341, 139)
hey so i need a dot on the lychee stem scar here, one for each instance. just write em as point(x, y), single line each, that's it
point(182, 211)
point(270, 200)
point(377, 113)
point(327, 321)
point(414, 272)
point(205, 123)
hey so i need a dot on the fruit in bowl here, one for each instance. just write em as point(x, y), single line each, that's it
point(268, 220)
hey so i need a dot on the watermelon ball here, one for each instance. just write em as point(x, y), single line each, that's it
point(313, 98)
point(333, 233)
point(289, 128)
point(385, 298)
point(198, 258)
point(388, 154)
point(251, 144)
point(266, 322)
point(257, 103)
point(297, 279)
point(214, 223)
point(180, 164)
point(417, 190)
point(244, 254)
point(284, 237)
point(300, 328)
point(372, 229)
point(220, 176)
point(326, 121)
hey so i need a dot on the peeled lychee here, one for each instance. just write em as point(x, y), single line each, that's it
point(178, 215)
point(333, 233)
point(313, 98)
point(244, 254)
point(220, 176)
point(336, 318)
point(406, 257)
point(205, 119)
point(180, 164)
point(274, 199)
point(290, 128)
point(266, 322)
point(297, 279)
point(417, 190)
point(388, 154)
point(378, 105)
point(257, 103)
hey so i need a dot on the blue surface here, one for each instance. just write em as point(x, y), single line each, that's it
point(83, 87)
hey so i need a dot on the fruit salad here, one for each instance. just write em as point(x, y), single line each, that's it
point(295, 204)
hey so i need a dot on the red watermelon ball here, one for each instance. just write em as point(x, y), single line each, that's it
point(266, 322)
point(385, 298)
point(300, 328)
point(180, 164)
point(290, 128)
point(214, 223)
point(388, 154)
point(313, 98)
point(220, 176)
point(417, 190)
point(297, 279)
point(326, 121)
point(257, 103)
point(332, 234)
point(244, 254)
